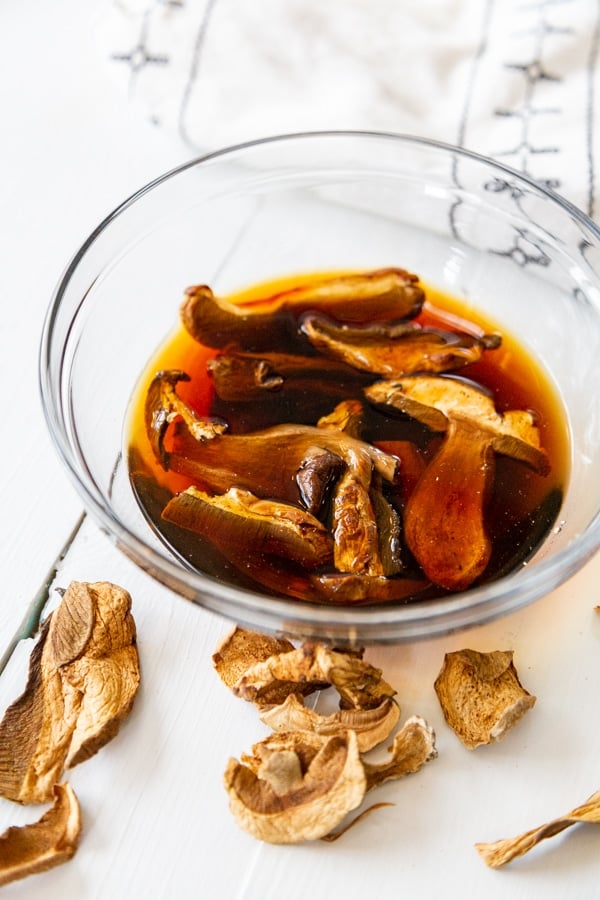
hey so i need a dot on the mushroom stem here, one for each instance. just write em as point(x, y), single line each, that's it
point(443, 520)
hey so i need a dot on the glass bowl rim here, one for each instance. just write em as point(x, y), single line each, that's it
point(378, 622)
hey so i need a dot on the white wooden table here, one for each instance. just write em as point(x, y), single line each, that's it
point(156, 822)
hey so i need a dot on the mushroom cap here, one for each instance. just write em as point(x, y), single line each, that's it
point(435, 400)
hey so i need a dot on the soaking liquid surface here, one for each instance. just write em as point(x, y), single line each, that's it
point(522, 506)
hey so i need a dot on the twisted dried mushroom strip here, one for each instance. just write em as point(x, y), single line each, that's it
point(83, 678)
point(501, 852)
point(481, 695)
point(381, 294)
point(31, 849)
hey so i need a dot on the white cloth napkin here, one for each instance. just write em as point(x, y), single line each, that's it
point(518, 80)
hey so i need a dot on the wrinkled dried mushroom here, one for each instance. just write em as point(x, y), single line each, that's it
point(241, 649)
point(501, 852)
point(31, 849)
point(371, 726)
point(296, 786)
point(301, 782)
point(83, 678)
point(481, 695)
point(443, 519)
point(383, 294)
point(309, 668)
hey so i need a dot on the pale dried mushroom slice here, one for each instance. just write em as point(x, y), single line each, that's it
point(241, 649)
point(481, 695)
point(52, 840)
point(499, 853)
point(444, 516)
point(413, 746)
point(380, 294)
point(371, 726)
point(309, 668)
point(296, 786)
point(83, 678)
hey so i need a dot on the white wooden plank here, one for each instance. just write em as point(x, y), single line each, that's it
point(155, 812)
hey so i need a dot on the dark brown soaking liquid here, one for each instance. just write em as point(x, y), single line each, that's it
point(522, 508)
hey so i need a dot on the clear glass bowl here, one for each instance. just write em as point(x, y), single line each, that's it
point(467, 225)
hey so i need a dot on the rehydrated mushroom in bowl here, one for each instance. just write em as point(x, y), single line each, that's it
point(330, 206)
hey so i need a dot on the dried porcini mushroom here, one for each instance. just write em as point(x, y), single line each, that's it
point(413, 746)
point(382, 294)
point(241, 649)
point(481, 695)
point(83, 678)
point(265, 462)
point(443, 519)
point(501, 852)
point(34, 848)
point(396, 349)
point(240, 376)
point(371, 726)
point(296, 786)
point(309, 668)
point(241, 525)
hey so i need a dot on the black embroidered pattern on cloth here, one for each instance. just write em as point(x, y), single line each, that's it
point(534, 26)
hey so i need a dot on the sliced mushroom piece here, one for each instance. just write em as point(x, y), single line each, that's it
point(242, 525)
point(164, 406)
point(413, 746)
point(370, 725)
point(309, 667)
point(381, 294)
point(443, 520)
point(481, 695)
point(83, 678)
point(296, 786)
point(240, 376)
point(241, 649)
point(396, 349)
point(265, 462)
point(42, 845)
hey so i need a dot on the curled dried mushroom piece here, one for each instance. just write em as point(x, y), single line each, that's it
point(312, 667)
point(31, 849)
point(83, 678)
point(298, 786)
point(303, 780)
point(381, 294)
point(501, 852)
point(481, 695)
point(371, 726)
